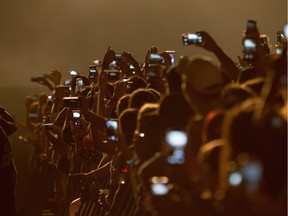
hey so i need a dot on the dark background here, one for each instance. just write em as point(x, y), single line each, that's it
point(39, 35)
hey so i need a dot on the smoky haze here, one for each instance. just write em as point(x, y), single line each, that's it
point(40, 35)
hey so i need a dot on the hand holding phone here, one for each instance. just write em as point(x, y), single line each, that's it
point(76, 117)
point(119, 57)
point(113, 74)
point(159, 185)
point(191, 38)
point(176, 141)
point(250, 48)
point(92, 72)
point(112, 129)
point(71, 102)
point(155, 58)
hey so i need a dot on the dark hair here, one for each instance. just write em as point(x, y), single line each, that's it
point(148, 123)
point(122, 104)
point(174, 80)
point(127, 123)
point(174, 111)
point(140, 97)
point(155, 93)
point(235, 93)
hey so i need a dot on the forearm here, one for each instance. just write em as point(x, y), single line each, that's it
point(56, 108)
point(229, 66)
point(100, 101)
point(137, 69)
point(110, 106)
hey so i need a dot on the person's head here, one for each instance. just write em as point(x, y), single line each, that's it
point(127, 124)
point(174, 80)
point(147, 135)
point(122, 104)
point(235, 93)
point(174, 112)
point(202, 82)
point(141, 96)
point(263, 141)
point(155, 93)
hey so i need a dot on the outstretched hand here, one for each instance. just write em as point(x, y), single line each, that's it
point(55, 76)
point(149, 51)
point(208, 42)
point(108, 58)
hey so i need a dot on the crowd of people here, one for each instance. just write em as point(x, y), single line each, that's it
point(165, 137)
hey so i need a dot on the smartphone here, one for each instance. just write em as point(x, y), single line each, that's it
point(119, 56)
point(32, 115)
point(172, 56)
point(286, 31)
point(71, 102)
point(235, 178)
point(79, 84)
point(280, 37)
point(151, 74)
point(252, 173)
point(191, 38)
point(153, 70)
point(250, 47)
point(129, 85)
point(76, 116)
point(97, 62)
point(92, 71)
point(73, 73)
point(49, 98)
point(113, 74)
point(112, 64)
point(125, 79)
point(159, 185)
point(176, 139)
point(112, 129)
point(155, 58)
point(34, 97)
point(251, 25)
point(67, 82)
point(132, 69)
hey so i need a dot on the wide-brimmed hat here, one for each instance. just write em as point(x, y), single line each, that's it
point(201, 74)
